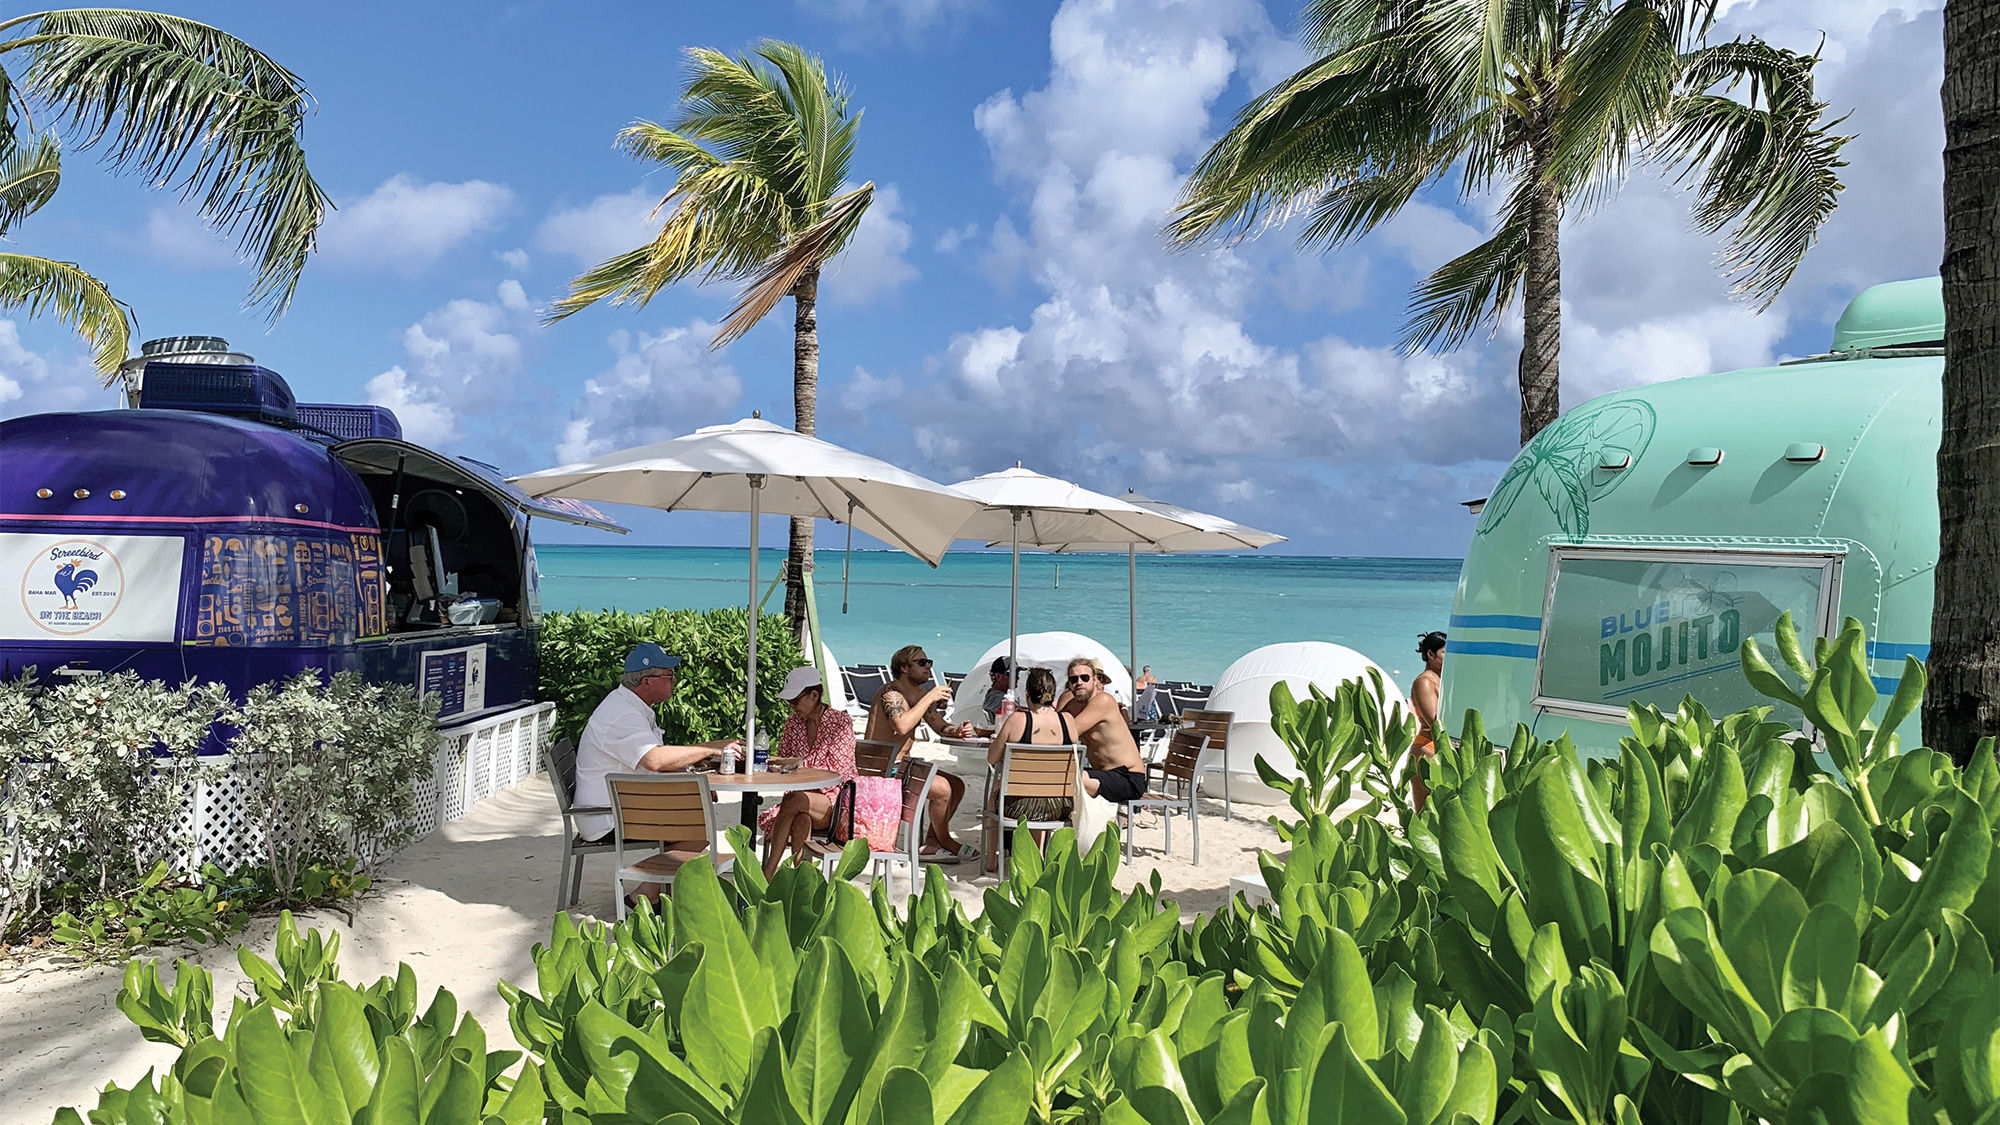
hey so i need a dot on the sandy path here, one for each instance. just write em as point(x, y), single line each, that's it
point(465, 908)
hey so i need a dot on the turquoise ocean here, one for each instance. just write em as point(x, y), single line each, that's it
point(1197, 613)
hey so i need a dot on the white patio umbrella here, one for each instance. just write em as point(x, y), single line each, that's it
point(755, 466)
point(1207, 533)
point(1027, 509)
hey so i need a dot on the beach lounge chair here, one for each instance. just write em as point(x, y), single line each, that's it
point(1214, 724)
point(560, 760)
point(672, 808)
point(1178, 771)
point(874, 757)
point(1033, 771)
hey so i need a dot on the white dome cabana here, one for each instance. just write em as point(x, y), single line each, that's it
point(1244, 689)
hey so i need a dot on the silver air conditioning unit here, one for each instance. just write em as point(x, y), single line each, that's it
point(176, 349)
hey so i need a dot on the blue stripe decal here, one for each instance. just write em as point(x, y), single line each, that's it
point(1884, 685)
point(1883, 650)
point(1650, 684)
point(1490, 648)
point(1495, 621)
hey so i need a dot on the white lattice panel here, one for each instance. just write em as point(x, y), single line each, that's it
point(472, 761)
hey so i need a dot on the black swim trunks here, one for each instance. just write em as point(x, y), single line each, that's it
point(1119, 785)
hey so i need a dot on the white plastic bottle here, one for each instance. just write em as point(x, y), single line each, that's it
point(729, 759)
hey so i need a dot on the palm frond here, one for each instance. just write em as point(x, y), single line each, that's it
point(1472, 290)
point(1614, 94)
point(808, 249)
point(1338, 120)
point(29, 176)
point(1769, 165)
point(186, 105)
point(64, 291)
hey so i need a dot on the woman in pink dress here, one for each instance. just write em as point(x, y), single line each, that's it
point(823, 737)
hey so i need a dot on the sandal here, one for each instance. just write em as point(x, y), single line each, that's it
point(966, 853)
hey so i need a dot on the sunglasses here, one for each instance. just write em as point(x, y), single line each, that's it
point(923, 660)
point(1081, 679)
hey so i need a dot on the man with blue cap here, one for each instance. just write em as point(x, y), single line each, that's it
point(623, 735)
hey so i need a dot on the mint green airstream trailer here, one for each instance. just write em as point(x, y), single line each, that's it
point(1634, 545)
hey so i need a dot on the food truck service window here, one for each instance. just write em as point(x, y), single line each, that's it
point(1650, 626)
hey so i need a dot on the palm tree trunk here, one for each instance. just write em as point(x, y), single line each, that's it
point(805, 399)
point(1963, 704)
point(1541, 307)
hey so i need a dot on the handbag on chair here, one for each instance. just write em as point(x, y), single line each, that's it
point(840, 826)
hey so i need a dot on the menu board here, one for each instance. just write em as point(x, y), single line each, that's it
point(1654, 627)
point(457, 676)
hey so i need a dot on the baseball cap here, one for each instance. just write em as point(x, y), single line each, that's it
point(646, 655)
point(797, 681)
point(999, 667)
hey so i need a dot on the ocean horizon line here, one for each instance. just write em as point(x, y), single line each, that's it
point(1246, 555)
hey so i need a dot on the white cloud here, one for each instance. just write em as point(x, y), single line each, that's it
point(406, 223)
point(463, 358)
point(607, 225)
point(873, 263)
point(34, 383)
point(179, 236)
point(515, 259)
point(658, 385)
point(955, 237)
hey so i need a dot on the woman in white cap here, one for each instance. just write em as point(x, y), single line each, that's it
point(823, 738)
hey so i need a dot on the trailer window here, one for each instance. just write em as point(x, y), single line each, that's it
point(1641, 626)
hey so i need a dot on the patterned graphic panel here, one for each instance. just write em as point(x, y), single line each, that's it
point(288, 589)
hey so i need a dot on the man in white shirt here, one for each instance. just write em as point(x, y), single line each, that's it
point(624, 737)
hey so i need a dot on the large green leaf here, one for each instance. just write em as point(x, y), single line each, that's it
point(1821, 961)
point(1950, 880)
point(1758, 916)
point(1342, 1090)
point(1002, 1099)
point(829, 1034)
point(1337, 990)
point(1809, 1041)
point(1428, 1080)
point(275, 1083)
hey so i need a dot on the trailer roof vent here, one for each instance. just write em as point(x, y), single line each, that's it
point(239, 390)
point(1900, 314)
point(346, 423)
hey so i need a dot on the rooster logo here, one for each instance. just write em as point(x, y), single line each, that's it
point(72, 582)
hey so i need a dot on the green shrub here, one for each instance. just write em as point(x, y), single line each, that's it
point(1716, 926)
point(101, 771)
point(582, 655)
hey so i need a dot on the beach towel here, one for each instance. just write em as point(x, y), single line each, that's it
point(1093, 816)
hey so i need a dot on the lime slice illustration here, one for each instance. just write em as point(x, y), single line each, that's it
point(1563, 464)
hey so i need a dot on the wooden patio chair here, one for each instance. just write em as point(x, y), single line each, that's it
point(1033, 771)
point(560, 760)
point(1179, 770)
point(874, 757)
point(1214, 724)
point(673, 809)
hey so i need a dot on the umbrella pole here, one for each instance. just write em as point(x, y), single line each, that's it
point(750, 684)
point(1132, 587)
point(848, 558)
point(1014, 615)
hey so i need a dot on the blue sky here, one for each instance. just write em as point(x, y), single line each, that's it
point(1009, 298)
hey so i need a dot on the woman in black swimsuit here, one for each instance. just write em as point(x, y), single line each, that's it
point(1036, 724)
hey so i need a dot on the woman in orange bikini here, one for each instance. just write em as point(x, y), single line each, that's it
point(1424, 701)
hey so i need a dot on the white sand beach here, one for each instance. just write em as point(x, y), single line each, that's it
point(465, 907)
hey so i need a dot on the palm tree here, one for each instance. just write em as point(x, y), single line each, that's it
point(178, 102)
point(1550, 101)
point(759, 151)
point(1962, 705)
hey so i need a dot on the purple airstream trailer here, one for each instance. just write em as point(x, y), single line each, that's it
point(220, 530)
